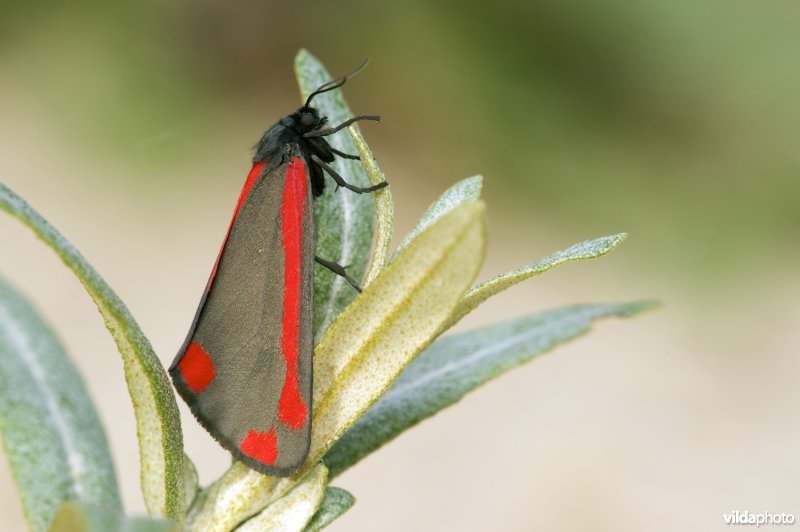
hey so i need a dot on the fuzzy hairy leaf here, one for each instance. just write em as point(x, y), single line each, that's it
point(336, 502)
point(293, 511)
point(344, 219)
point(393, 320)
point(81, 517)
point(589, 249)
point(157, 419)
point(455, 365)
point(191, 481)
point(51, 432)
point(468, 189)
point(384, 208)
point(365, 350)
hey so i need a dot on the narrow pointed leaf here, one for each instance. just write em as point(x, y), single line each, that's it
point(81, 517)
point(455, 365)
point(157, 419)
point(468, 189)
point(51, 432)
point(293, 511)
point(365, 350)
point(343, 218)
point(191, 482)
point(384, 208)
point(336, 502)
point(589, 249)
point(395, 318)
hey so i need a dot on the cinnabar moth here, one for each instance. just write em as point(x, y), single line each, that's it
point(245, 367)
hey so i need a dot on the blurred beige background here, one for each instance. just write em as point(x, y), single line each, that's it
point(129, 126)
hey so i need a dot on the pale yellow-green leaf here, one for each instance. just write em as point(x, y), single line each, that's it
point(468, 189)
point(235, 496)
point(384, 208)
point(365, 350)
point(157, 419)
point(396, 317)
point(588, 249)
point(295, 509)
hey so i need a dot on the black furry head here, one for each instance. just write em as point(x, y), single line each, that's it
point(304, 120)
point(302, 133)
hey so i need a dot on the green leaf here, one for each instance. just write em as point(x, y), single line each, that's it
point(336, 502)
point(395, 318)
point(295, 509)
point(81, 517)
point(384, 208)
point(468, 189)
point(367, 347)
point(51, 432)
point(191, 482)
point(589, 249)
point(157, 419)
point(455, 365)
point(344, 219)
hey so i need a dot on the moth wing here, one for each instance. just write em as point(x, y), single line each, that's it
point(245, 368)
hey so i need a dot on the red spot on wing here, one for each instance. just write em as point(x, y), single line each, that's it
point(196, 368)
point(255, 172)
point(292, 410)
point(263, 446)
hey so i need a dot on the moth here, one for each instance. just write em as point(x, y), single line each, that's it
point(245, 368)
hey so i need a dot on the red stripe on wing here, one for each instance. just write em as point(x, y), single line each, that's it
point(292, 410)
point(255, 172)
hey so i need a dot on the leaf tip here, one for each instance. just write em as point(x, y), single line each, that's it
point(606, 244)
point(302, 55)
point(475, 181)
point(619, 237)
point(640, 306)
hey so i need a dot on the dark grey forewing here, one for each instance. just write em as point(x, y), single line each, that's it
point(239, 325)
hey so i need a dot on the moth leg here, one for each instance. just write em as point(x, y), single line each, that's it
point(338, 269)
point(321, 147)
point(344, 155)
point(326, 152)
point(342, 183)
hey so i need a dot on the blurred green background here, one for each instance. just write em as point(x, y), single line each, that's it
point(128, 126)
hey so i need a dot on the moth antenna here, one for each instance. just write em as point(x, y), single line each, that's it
point(336, 83)
point(332, 130)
